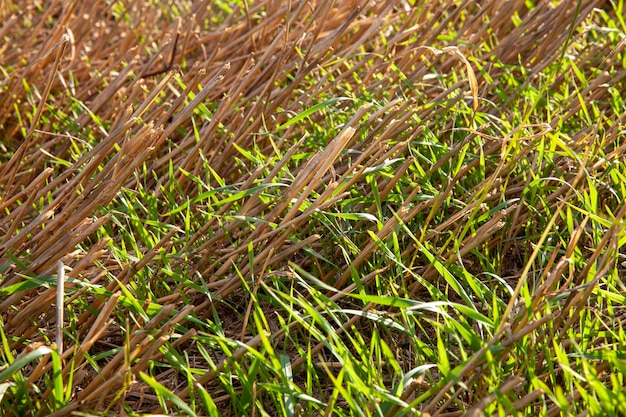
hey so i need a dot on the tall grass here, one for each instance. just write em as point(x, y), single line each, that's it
point(312, 208)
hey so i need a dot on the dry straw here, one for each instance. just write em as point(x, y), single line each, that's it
point(244, 79)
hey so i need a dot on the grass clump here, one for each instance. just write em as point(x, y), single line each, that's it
point(312, 208)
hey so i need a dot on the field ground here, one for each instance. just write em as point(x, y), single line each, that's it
point(306, 208)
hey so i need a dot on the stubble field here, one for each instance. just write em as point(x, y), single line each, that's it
point(305, 208)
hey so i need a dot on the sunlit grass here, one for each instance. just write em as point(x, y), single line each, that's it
point(321, 210)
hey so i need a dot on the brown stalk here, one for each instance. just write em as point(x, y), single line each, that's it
point(10, 170)
point(479, 408)
point(261, 66)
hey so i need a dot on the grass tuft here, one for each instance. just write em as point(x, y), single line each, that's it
point(312, 208)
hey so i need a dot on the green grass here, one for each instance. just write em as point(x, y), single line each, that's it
point(389, 212)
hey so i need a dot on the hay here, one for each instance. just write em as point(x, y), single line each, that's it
point(101, 102)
